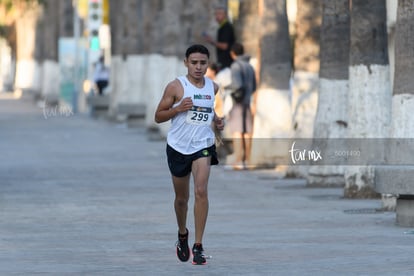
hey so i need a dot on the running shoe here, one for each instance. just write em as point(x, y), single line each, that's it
point(183, 250)
point(198, 255)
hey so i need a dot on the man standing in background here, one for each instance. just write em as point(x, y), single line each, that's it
point(240, 118)
point(225, 38)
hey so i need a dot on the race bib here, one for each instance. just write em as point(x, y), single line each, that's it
point(199, 115)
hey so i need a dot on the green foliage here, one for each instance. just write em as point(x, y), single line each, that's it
point(13, 9)
point(3, 30)
point(10, 4)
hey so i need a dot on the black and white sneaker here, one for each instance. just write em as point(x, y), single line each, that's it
point(183, 251)
point(198, 255)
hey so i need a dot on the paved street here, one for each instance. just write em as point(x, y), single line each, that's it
point(82, 196)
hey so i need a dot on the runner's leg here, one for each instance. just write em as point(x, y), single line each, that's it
point(182, 193)
point(201, 172)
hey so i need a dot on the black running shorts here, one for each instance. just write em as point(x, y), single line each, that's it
point(180, 164)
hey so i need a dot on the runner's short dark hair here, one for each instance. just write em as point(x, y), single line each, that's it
point(197, 48)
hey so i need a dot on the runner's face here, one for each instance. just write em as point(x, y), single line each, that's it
point(197, 65)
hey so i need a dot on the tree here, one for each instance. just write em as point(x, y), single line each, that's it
point(46, 55)
point(273, 117)
point(331, 118)
point(18, 24)
point(47, 33)
point(306, 64)
point(127, 34)
point(275, 62)
point(402, 125)
point(132, 25)
point(369, 99)
point(308, 31)
point(27, 69)
point(148, 43)
point(248, 21)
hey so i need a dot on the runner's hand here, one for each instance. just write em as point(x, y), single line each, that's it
point(186, 104)
point(219, 122)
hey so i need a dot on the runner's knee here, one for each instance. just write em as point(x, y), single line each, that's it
point(181, 202)
point(201, 192)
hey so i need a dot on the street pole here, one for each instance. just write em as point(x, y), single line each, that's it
point(76, 32)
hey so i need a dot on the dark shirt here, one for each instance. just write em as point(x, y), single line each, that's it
point(225, 34)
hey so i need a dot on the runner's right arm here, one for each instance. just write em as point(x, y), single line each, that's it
point(172, 94)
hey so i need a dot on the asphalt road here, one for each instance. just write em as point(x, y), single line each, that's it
point(80, 196)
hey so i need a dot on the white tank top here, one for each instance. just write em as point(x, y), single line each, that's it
point(191, 131)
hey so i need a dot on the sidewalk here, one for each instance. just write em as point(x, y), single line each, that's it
point(80, 196)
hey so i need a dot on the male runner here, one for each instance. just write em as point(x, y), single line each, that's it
point(189, 102)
